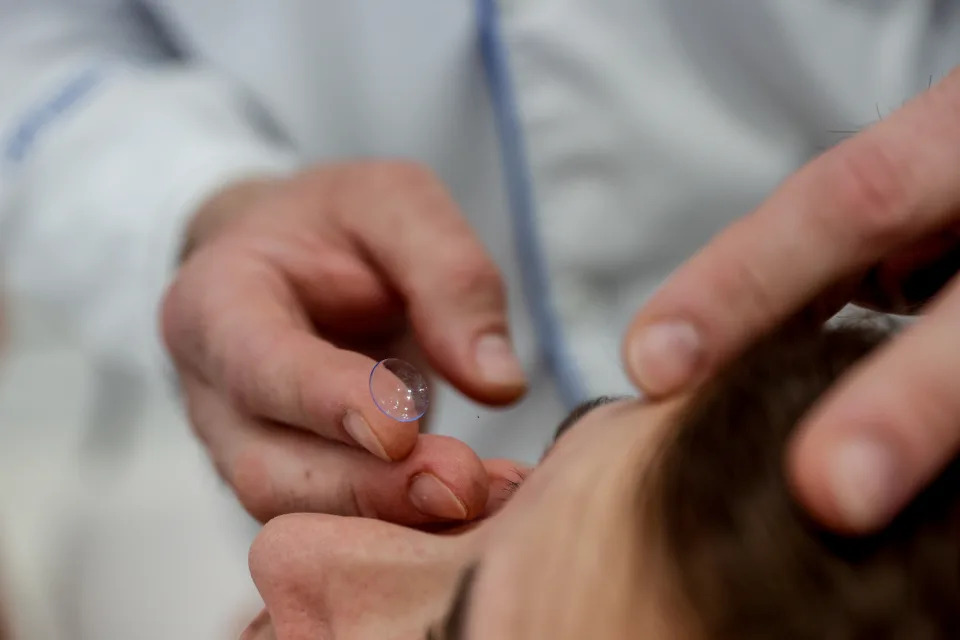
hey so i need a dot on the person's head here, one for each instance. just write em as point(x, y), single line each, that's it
point(653, 521)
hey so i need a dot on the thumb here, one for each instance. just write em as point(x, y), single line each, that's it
point(414, 233)
point(441, 480)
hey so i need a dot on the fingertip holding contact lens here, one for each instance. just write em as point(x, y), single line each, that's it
point(399, 390)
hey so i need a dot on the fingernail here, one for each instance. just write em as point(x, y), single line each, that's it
point(666, 357)
point(864, 482)
point(433, 498)
point(497, 362)
point(358, 429)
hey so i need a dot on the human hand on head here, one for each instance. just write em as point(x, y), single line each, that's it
point(875, 218)
point(290, 290)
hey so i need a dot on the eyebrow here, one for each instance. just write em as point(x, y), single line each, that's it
point(582, 410)
point(455, 622)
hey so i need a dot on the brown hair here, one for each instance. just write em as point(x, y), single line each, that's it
point(747, 562)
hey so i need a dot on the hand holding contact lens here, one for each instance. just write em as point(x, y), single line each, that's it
point(399, 390)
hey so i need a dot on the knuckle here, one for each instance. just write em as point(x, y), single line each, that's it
point(270, 556)
point(181, 336)
point(238, 388)
point(471, 273)
point(352, 502)
point(255, 375)
point(362, 189)
point(387, 177)
point(748, 284)
point(873, 192)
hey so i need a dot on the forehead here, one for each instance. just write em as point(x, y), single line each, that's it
point(565, 554)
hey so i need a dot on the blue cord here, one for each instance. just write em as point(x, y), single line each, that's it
point(519, 187)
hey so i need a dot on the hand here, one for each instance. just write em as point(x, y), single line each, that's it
point(888, 196)
point(289, 292)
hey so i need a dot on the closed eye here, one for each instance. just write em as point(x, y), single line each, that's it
point(454, 624)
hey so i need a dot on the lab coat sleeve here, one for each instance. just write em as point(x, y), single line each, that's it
point(109, 143)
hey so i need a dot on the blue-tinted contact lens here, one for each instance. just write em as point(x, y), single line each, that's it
point(399, 390)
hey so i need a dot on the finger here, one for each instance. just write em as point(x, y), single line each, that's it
point(414, 233)
point(334, 282)
point(909, 280)
point(247, 338)
point(840, 214)
point(886, 430)
point(276, 470)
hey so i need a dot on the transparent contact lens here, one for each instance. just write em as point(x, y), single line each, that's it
point(399, 390)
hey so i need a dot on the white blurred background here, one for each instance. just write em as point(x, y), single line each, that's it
point(112, 524)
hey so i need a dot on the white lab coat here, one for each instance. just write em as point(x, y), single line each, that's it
point(645, 126)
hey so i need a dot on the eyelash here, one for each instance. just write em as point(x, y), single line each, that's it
point(512, 486)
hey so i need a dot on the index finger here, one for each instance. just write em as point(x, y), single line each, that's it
point(844, 211)
point(247, 337)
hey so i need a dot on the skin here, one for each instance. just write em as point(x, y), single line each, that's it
point(290, 290)
point(561, 561)
point(878, 205)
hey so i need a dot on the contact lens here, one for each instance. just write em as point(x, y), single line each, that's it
point(399, 390)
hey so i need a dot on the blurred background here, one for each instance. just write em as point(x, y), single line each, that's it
point(112, 523)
